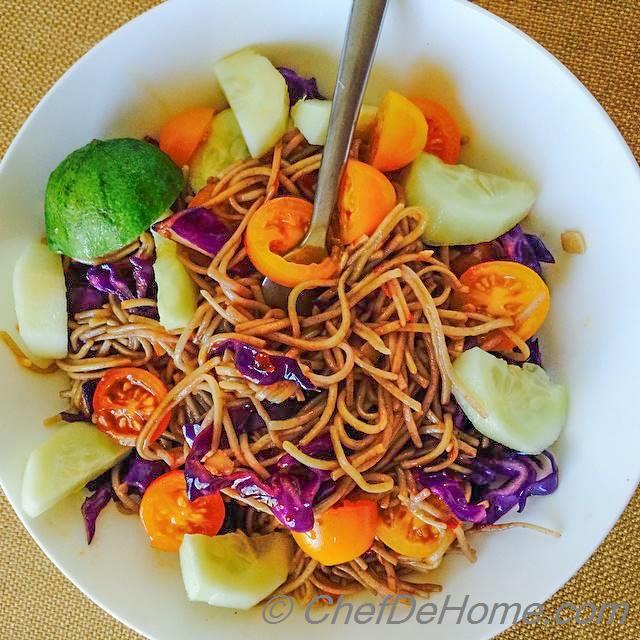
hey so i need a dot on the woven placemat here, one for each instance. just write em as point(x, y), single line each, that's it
point(597, 39)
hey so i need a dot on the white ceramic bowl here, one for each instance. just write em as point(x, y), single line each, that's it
point(525, 114)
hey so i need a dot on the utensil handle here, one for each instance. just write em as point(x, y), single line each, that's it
point(356, 59)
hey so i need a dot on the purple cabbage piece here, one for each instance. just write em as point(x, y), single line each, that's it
point(142, 275)
point(525, 248)
point(93, 506)
point(500, 477)
point(105, 278)
point(141, 473)
point(197, 228)
point(448, 488)
point(81, 296)
point(245, 418)
point(299, 88)
point(290, 495)
point(320, 447)
point(264, 368)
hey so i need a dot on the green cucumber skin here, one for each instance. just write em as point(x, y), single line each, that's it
point(103, 195)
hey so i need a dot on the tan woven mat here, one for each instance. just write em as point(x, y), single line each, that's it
point(599, 40)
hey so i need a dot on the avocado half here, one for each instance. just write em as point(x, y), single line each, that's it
point(102, 196)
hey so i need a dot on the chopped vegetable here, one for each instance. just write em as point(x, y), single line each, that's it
point(167, 514)
point(259, 97)
point(299, 88)
point(177, 293)
point(141, 473)
point(465, 206)
point(525, 410)
point(64, 463)
point(311, 117)
point(40, 298)
point(290, 494)
point(399, 133)
point(234, 570)
point(262, 367)
point(197, 228)
point(104, 195)
point(408, 536)
point(443, 139)
point(504, 479)
point(525, 248)
point(341, 533)
point(223, 146)
point(447, 486)
point(505, 290)
point(124, 400)
point(274, 229)
point(182, 134)
point(92, 507)
point(573, 242)
point(366, 197)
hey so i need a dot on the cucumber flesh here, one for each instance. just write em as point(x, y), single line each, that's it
point(40, 296)
point(526, 411)
point(234, 570)
point(177, 293)
point(63, 464)
point(465, 206)
point(311, 117)
point(224, 146)
point(258, 95)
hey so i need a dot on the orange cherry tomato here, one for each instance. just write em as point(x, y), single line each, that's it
point(481, 252)
point(181, 135)
point(444, 134)
point(124, 400)
point(366, 197)
point(399, 133)
point(274, 229)
point(410, 537)
point(341, 533)
point(506, 290)
point(167, 514)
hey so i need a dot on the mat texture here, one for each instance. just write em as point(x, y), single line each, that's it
point(599, 40)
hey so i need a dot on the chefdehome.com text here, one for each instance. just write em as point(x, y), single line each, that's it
point(406, 609)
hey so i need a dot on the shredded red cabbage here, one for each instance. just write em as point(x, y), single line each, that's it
point(289, 494)
point(525, 248)
point(264, 368)
point(245, 418)
point(299, 88)
point(500, 477)
point(88, 390)
point(88, 287)
point(197, 228)
point(93, 506)
point(141, 473)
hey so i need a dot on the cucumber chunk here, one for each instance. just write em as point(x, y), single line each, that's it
point(234, 570)
point(465, 206)
point(258, 95)
point(177, 293)
point(526, 411)
point(40, 297)
point(311, 117)
point(224, 146)
point(63, 464)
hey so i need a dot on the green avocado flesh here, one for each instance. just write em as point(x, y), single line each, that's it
point(104, 195)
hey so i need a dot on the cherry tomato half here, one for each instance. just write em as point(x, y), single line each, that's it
point(167, 514)
point(506, 290)
point(341, 533)
point(411, 537)
point(399, 133)
point(276, 228)
point(124, 400)
point(366, 197)
point(181, 135)
point(443, 139)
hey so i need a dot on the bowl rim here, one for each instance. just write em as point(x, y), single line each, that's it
point(499, 22)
